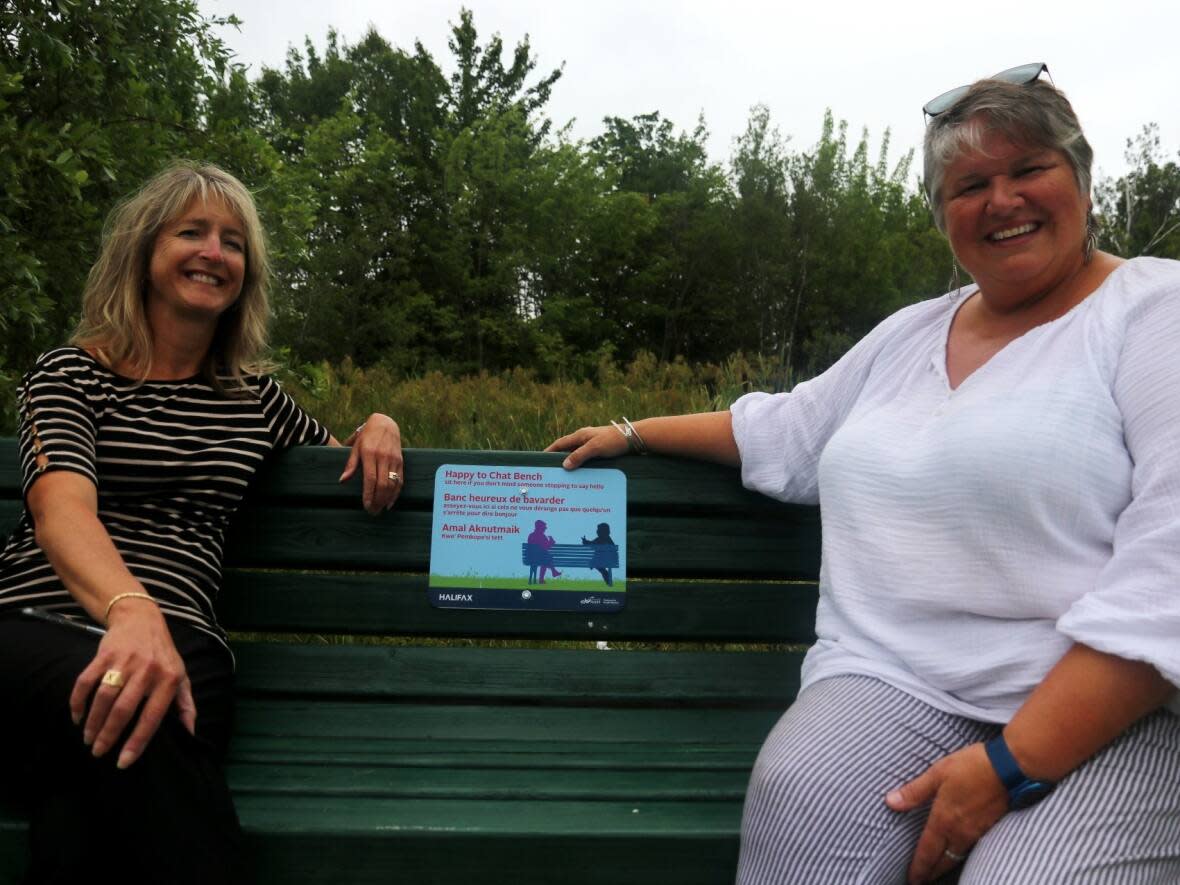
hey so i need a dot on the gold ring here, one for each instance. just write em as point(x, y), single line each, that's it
point(113, 678)
point(394, 476)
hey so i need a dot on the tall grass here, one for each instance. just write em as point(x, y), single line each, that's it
point(513, 409)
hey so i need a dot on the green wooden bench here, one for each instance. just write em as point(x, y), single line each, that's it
point(448, 755)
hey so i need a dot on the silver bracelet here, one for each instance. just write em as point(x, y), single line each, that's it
point(635, 443)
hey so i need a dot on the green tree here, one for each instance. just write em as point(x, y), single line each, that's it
point(865, 246)
point(419, 196)
point(673, 300)
point(762, 217)
point(93, 98)
point(1140, 211)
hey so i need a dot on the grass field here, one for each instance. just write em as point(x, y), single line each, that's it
point(573, 585)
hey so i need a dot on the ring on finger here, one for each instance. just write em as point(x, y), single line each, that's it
point(113, 678)
point(394, 476)
point(951, 855)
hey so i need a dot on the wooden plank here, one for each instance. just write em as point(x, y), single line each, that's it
point(475, 753)
point(757, 679)
point(653, 483)
point(327, 538)
point(9, 516)
point(10, 478)
point(534, 783)
point(312, 839)
point(383, 603)
point(361, 816)
point(530, 843)
point(402, 727)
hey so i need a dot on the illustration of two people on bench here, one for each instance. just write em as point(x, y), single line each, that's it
point(540, 551)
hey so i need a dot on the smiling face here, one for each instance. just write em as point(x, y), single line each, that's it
point(197, 266)
point(1015, 218)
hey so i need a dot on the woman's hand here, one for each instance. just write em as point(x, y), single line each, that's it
point(377, 450)
point(968, 799)
point(139, 648)
point(589, 442)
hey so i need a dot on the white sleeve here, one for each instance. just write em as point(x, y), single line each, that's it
point(781, 436)
point(1134, 610)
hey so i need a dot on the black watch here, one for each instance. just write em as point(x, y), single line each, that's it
point(1023, 791)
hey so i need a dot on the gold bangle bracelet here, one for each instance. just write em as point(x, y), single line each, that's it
point(110, 605)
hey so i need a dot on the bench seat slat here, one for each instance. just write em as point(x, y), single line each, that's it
point(384, 603)
point(405, 723)
point(523, 675)
point(484, 755)
point(535, 782)
point(360, 816)
point(300, 843)
point(531, 843)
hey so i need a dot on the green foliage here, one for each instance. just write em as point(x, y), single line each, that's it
point(514, 409)
point(426, 224)
point(93, 98)
point(1140, 212)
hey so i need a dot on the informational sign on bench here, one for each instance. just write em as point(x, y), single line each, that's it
point(528, 538)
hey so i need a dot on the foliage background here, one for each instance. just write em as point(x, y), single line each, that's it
point(443, 253)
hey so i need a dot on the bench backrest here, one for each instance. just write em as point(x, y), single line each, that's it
point(707, 561)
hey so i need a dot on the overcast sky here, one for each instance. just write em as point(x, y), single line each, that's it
point(873, 63)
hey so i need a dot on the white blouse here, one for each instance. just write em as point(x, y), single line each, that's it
point(970, 536)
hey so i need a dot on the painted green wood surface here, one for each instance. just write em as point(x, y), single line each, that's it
point(653, 483)
point(492, 757)
point(657, 545)
point(380, 763)
point(9, 468)
point(420, 726)
point(393, 603)
point(536, 782)
point(9, 515)
point(687, 843)
point(761, 679)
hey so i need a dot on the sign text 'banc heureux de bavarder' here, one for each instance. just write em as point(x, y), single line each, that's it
point(529, 537)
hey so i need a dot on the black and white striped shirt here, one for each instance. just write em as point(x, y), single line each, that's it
point(171, 461)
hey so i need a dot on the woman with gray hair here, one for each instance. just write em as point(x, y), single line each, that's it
point(994, 682)
point(137, 444)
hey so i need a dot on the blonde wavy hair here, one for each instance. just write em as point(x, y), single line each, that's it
point(114, 325)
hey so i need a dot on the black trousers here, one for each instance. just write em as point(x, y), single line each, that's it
point(168, 819)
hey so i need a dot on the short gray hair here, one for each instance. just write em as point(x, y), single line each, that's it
point(1036, 114)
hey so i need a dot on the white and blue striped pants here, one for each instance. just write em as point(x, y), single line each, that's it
point(815, 810)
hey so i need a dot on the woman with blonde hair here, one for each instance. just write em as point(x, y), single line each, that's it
point(137, 443)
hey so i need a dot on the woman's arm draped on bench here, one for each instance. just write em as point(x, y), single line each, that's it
point(707, 436)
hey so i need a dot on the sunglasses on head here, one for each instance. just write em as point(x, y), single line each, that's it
point(1020, 75)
